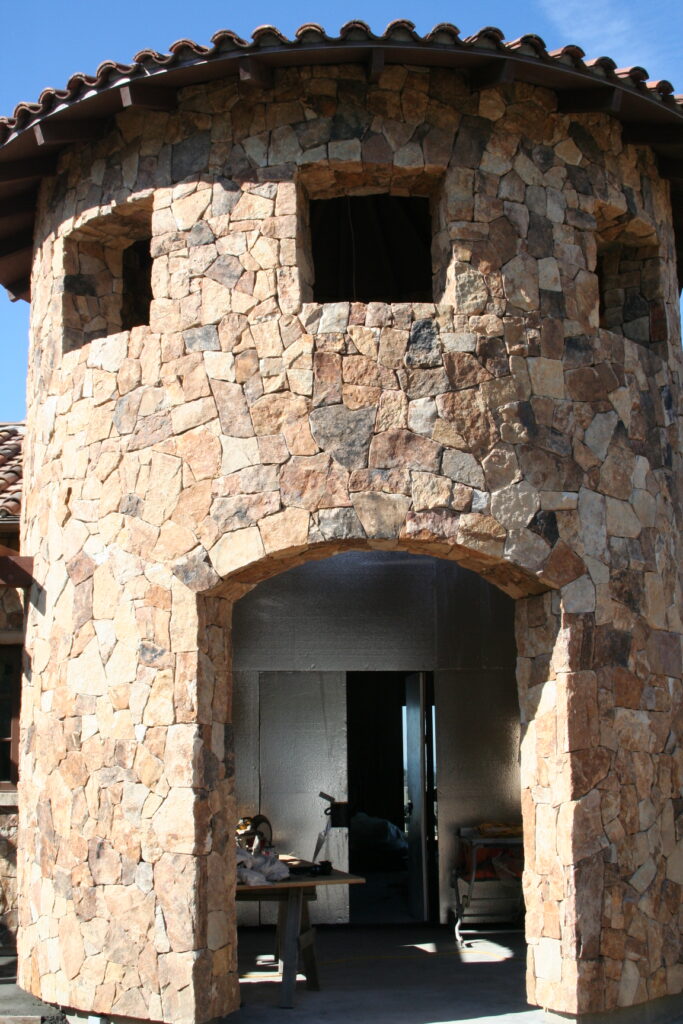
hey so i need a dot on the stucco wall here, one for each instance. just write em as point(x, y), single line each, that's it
point(247, 428)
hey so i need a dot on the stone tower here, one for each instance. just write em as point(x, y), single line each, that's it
point(214, 397)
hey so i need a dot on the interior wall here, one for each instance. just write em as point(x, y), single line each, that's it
point(290, 743)
point(376, 612)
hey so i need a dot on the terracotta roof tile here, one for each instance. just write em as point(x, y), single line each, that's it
point(11, 469)
point(147, 62)
point(634, 98)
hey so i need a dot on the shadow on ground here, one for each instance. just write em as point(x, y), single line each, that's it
point(403, 974)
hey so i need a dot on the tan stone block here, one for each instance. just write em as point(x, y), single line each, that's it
point(314, 482)
point(547, 377)
point(285, 531)
point(482, 533)
point(188, 210)
point(392, 347)
point(236, 550)
point(299, 438)
point(193, 414)
point(621, 519)
point(173, 542)
point(520, 281)
point(175, 830)
point(200, 450)
point(392, 412)
point(215, 301)
point(85, 673)
point(181, 754)
point(252, 207)
point(381, 515)
point(270, 413)
point(430, 491)
point(71, 946)
point(159, 709)
point(366, 340)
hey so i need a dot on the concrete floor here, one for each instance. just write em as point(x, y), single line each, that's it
point(402, 974)
point(15, 1004)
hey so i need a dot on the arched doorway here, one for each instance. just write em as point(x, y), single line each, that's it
point(359, 675)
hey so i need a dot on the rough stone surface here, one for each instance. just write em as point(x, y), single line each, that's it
point(246, 428)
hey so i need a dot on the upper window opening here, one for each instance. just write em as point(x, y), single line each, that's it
point(136, 273)
point(631, 296)
point(373, 248)
point(107, 284)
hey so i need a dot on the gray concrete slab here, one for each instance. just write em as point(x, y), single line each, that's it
point(405, 975)
point(15, 1004)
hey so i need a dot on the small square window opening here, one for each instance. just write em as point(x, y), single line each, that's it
point(374, 248)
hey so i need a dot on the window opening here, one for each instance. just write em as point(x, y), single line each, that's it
point(631, 295)
point(107, 284)
point(373, 248)
point(10, 696)
point(136, 273)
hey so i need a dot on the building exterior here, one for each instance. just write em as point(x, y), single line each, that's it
point(222, 387)
point(11, 642)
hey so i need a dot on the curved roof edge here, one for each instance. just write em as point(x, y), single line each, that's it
point(33, 136)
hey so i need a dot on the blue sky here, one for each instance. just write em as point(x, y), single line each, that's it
point(45, 43)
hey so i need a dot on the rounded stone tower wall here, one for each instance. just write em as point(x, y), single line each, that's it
point(525, 423)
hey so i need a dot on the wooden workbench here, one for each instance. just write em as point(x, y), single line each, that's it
point(294, 931)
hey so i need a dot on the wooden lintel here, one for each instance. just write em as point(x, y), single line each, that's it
point(16, 570)
point(14, 205)
point(24, 170)
point(20, 289)
point(149, 97)
point(600, 100)
point(254, 70)
point(16, 243)
point(61, 133)
point(671, 169)
point(494, 72)
point(653, 134)
point(375, 64)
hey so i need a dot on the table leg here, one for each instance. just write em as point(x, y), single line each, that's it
point(289, 947)
point(307, 946)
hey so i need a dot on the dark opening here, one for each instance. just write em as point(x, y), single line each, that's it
point(372, 249)
point(389, 816)
point(10, 698)
point(136, 272)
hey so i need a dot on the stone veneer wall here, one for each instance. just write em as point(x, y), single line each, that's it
point(9, 829)
point(247, 429)
point(11, 626)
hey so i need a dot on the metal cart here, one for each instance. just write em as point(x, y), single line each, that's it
point(480, 895)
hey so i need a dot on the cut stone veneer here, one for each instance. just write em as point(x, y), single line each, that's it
point(246, 429)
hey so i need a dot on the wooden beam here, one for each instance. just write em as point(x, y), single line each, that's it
point(653, 134)
point(16, 243)
point(254, 70)
point(20, 289)
point(600, 100)
point(16, 570)
point(61, 133)
point(494, 72)
point(24, 170)
point(149, 97)
point(23, 203)
point(375, 64)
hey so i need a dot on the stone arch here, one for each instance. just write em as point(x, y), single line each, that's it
point(557, 826)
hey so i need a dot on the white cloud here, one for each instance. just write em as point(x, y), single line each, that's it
point(628, 33)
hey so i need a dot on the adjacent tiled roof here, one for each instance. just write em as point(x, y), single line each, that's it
point(31, 137)
point(11, 443)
